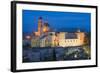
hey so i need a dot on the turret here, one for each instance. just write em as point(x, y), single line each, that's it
point(45, 27)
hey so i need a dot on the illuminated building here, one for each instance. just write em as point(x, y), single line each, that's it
point(71, 39)
point(52, 39)
point(40, 23)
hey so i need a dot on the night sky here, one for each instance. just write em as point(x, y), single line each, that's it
point(56, 20)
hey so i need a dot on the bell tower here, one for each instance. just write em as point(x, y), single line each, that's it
point(39, 25)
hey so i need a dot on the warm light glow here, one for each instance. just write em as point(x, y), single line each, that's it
point(37, 33)
point(45, 29)
point(28, 37)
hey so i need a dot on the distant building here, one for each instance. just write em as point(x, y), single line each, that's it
point(35, 42)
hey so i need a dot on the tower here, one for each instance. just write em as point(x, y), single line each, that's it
point(81, 36)
point(39, 31)
point(40, 25)
point(45, 27)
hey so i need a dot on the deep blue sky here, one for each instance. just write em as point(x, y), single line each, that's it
point(56, 20)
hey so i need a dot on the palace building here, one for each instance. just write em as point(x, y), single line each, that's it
point(47, 38)
point(71, 39)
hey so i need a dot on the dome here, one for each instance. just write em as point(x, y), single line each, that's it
point(46, 24)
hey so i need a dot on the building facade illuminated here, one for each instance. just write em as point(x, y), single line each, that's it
point(46, 38)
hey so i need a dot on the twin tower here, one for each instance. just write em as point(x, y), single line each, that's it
point(43, 27)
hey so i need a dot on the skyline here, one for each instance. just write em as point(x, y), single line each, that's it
point(56, 20)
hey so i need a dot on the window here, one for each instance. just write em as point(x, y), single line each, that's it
point(70, 36)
